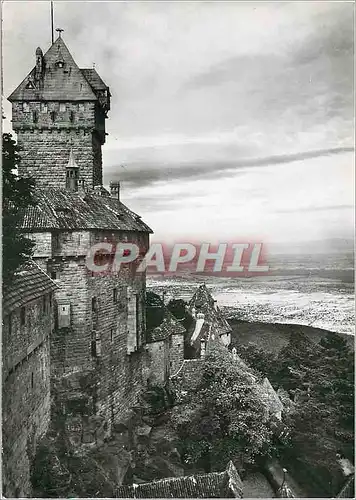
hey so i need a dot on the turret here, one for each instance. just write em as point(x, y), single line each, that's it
point(72, 173)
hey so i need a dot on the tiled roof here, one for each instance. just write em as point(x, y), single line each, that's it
point(66, 210)
point(66, 83)
point(225, 484)
point(94, 79)
point(203, 302)
point(29, 283)
point(169, 326)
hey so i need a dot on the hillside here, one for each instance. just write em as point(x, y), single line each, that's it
point(273, 337)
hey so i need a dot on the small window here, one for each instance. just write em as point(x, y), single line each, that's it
point(44, 107)
point(55, 275)
point(94, 305)
point(25, 107)
point(72, 116)
point(44, 304)
point(32, 380)
point(81, 106)
point(111, 334)
point(34, 116)
point(62, 107)
point(53, 116)
point(115, 295)
point(22, 316)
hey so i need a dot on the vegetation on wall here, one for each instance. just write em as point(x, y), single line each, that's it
point(223, 418)
point(16, 196)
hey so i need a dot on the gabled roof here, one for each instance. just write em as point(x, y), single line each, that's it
point(29, 282)
point(169, 326)
point(214, 321)
point(226, 484)
point(66, 83)
point(66, 210)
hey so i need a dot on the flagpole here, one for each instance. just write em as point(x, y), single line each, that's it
point(52, 30)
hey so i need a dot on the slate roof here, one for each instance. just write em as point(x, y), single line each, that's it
point(66, 210)
point(169, 326)
point(94, 79)
point(226, 484)
point(29, 282)
point(58, 84)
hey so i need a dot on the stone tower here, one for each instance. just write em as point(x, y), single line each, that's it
point(58, 108)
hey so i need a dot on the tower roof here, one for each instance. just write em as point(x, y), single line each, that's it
point(71, 162)
point(61, 80)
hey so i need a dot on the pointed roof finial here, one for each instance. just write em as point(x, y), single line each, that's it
point(71, 162)
point(59, 30)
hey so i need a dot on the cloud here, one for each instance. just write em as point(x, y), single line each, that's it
point(142, 174)
point(228, 116)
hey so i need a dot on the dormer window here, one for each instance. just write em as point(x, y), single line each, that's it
point(30, 85)
point(60, 61)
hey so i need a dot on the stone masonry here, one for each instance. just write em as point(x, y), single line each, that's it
point(27, 326)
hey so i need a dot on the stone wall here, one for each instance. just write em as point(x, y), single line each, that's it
point(46, 143)
point(95, 377)
point(159, 356)
point(26, 391)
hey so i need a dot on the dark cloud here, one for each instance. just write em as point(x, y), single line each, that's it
point(144, 174)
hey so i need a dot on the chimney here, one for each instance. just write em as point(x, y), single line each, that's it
point(97, 190)
point(115, 189)
point(81, 187)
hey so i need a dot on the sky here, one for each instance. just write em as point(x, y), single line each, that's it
point(229, 120)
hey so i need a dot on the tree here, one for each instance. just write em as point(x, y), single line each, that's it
point(17, 196)
point(225, 417)
point(177, 307)
point(261, 360)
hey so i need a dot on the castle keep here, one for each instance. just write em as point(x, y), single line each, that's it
point(58, 108)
